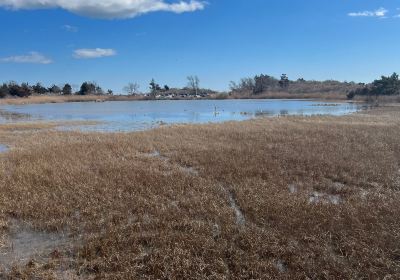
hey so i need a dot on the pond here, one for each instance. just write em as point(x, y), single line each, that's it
point(3, 148)
point(140, 115)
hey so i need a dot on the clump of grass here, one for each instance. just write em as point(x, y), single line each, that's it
point(141, 216)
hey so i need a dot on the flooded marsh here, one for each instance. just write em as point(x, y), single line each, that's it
point(288, 197)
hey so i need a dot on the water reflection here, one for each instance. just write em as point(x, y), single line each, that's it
point(8, 116)
point(264, 113)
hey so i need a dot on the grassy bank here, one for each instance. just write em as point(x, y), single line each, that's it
point(276, 198)
point(287, 95)
point(41, 99)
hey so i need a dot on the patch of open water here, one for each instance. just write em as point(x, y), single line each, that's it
point(3, 148)
point(141, 115)
point(23, 243)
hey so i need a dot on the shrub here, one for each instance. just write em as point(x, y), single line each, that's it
point(55, 89)
point(39, 89)
point(387, 85)
point(22, 90)
point(4, 91)
point(90, 88)
point(67, 89)
point(264, 83)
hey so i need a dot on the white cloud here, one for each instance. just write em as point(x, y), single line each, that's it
point(398, 15)
point(108, 9)
point(381, 13)
point(32, 57)
point(93, 53)
point(70, 28)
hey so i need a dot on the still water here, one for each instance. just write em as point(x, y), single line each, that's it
point(141, 115)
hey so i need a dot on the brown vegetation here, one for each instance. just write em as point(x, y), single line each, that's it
point(273, 198)
point(287, 95)
point(265, 86)
point(38, 99)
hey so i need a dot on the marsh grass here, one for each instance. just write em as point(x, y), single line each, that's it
point(41, 99)
point(137, 213)
point(38, 99)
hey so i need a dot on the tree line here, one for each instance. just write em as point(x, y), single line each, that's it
point(259, 84)
point(193, 86)
point(88, 88)
point(262, 83)
point(25, 90)
point(386, 85)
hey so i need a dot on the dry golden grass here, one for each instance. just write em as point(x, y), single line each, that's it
point(320, 197)
point(39, 99)
point(292, 95)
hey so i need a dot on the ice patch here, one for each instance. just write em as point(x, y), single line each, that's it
point(364, 194)
point(338, 186)
point(156, 154)
point(189, 170)
point(216, 231)
point(318, 197)
point(240, 219)
point(280, 266)
point(293, 188)
point(24, 244)
point(185, 169)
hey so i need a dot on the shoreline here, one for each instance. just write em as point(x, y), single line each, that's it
point(104, 98)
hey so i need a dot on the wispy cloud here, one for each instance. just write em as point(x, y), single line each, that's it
point(32, 57)
point(380, 13)
point(93, 53)
point(398, 15)
point(108, 9)
point(70, 28)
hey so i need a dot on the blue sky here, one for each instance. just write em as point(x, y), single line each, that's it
point(114, 42)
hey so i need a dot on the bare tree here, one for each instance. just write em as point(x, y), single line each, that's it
point(233, 86)
point(132, 88)
point(193, 83)
point(245, 85)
